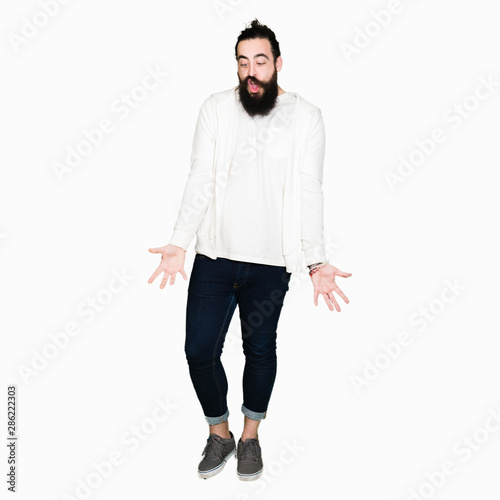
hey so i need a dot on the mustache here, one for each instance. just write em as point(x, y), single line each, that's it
point(254, 80)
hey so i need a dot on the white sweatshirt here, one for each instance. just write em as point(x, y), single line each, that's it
point(252, 214)
point(218, 159)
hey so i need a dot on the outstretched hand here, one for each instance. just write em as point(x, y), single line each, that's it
point(324, 284)
point(172, 262)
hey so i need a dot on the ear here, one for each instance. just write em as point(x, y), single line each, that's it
point(279, 63)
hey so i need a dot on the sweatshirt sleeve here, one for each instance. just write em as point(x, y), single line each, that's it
point(312, 206)
point(198, 188)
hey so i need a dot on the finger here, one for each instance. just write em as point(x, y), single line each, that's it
point(164, 280)
point(154, 250)
point(315, 298)
point(341, 293)
point(154, 275)
point(184, 275)
point(327, 301)
point(335, 303)
point(172, 278)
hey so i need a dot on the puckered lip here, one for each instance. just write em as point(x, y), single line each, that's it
point(252, 83)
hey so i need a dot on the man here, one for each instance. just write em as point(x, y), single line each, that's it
point(254, 200)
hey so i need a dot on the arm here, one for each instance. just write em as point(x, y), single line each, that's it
point(197, 194)
point(198, 189)
point(311, 179)
point(311, 175)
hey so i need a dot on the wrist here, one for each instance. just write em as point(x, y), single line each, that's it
point(177, 247)
point(313, 268)
point(310, 266)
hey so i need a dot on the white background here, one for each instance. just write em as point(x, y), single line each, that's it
point(62, 240)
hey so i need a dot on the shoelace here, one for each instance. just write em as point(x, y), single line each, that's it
point(246, 446)
point(214, 445)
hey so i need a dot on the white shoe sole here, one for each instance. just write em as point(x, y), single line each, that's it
point(250, 477)
point(213, 472)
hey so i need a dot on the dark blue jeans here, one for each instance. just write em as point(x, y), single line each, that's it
point(216, 286)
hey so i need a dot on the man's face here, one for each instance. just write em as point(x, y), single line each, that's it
point(258, 76)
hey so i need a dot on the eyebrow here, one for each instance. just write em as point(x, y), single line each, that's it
point(255, 56)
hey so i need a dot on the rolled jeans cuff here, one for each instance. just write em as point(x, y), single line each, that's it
point(253, 414)
point(217, 420)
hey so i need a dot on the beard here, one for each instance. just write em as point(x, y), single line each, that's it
point(256, 104)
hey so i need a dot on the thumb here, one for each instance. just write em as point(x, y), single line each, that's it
point(342, 274)
point(154, 250)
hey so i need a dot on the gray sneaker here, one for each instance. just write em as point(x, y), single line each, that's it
point(249, 457)
point(216, 453)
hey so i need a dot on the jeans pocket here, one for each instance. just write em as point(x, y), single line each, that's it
point(200, 256)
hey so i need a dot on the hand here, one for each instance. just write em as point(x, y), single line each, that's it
point(172, 262)
point(324, 284)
